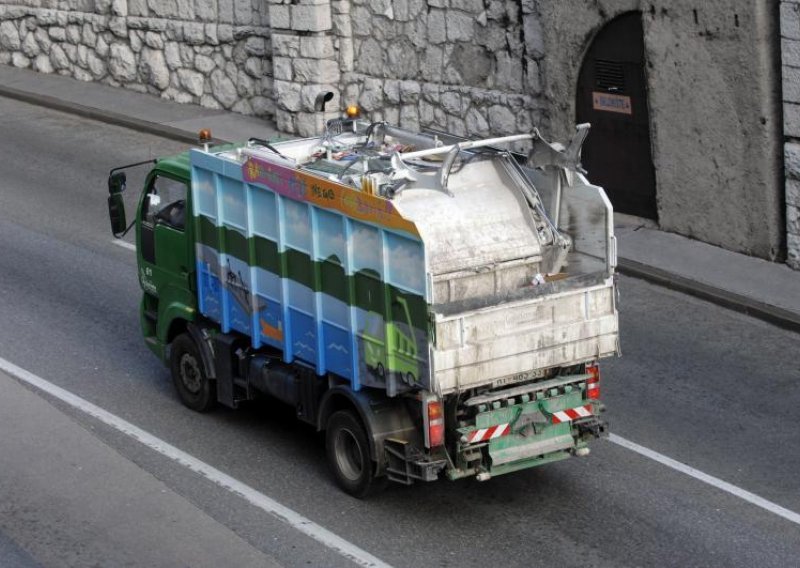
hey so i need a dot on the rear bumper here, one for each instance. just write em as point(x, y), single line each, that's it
point(494, 458)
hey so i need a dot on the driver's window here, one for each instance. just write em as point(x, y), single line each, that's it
point(166, 203)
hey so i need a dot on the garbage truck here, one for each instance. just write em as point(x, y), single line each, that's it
point(437, 306)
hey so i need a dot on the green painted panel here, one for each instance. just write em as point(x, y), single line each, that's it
point(208, 233)
point(235, 244)
point(299, 268)
point(334, 281)
point(266, 255)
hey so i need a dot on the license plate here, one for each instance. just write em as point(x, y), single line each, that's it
point(518, 378)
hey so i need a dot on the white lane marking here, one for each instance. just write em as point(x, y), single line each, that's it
point(705, 478)
point(124, 244)
point(254, 497)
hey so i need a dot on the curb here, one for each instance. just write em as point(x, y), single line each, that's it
point(778, 316)
point(730, 300)
point(108, 117)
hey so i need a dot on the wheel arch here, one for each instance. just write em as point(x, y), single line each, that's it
point(381, 416)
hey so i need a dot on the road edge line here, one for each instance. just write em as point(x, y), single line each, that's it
point(734, 490)
point(253, 496)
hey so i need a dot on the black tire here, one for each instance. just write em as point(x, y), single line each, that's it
point(348, 455)
point(194, 388)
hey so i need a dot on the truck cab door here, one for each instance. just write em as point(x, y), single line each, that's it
point(165, 263)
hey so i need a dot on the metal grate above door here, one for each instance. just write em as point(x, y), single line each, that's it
point(609, 76)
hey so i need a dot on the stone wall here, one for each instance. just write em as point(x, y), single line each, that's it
point(211, 52)
point(790, 51)
point(471, 67)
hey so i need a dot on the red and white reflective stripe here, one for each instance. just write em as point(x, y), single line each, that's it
point(488, 433)
point(572, 414)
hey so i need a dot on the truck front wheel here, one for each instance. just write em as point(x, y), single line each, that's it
point(348, 455)
point(194, 388)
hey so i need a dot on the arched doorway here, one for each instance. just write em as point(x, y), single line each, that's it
point(612, 96)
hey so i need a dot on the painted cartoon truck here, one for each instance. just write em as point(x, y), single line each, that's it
point(438, 306)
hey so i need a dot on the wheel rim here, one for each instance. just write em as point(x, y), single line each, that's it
point(190, 373)
point(348, 455)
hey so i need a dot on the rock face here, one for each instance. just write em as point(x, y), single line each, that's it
point(166, 47)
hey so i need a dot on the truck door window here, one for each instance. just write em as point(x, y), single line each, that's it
point(165, 202)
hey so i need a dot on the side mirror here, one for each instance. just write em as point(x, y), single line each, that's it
point(116, 212)
point(116, 182)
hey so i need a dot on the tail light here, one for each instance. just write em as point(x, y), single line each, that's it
point(435, 432)
point(593, 382)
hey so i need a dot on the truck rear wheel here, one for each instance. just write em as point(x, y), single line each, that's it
point(194, 388)
point(348, 455)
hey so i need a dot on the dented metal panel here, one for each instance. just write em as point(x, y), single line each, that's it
point(474, 348)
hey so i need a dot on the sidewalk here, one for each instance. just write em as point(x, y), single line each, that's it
point(760, 288)
point(69, 499)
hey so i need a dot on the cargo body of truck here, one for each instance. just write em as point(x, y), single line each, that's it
point(438, 306)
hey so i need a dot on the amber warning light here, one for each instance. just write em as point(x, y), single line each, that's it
point(353, 111)
point(204, 135)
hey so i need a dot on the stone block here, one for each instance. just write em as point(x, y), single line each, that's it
point(533, 35)
point(74, 34)
point(262, 106)
point(255, 45)
point(118, 26)
point(791, 159)
point(793, 192)
point(460, 26)
point(9, 37)
point(153, 68)
point(790, 52)
point(280, 17)
point(243, 12)
point(307, 124)
point(138, 8)
point(223, 89)
point(282, 68)
point(316, 71)
point(154, 40)
point(192, 81)
point(316, 47)
point(391, 88)
point(793, 219)
point(790, 20)
point(97, 66)
point(437, 29)
point(793, 251)
point(285, 45)
point(206, 10)
point(409, 117)
point(211, 34)
point(122, 62)
point(29, 46)
point(42, 64)
point(371, 97)
point(19, 60)
point(501, 120)
point(254, 67)
point(311, 18)
point(476, 123)
point(194, 34)
point(342, 26)
point(119, 7)
point(370, 60)
point(508, 76)
point(88, 36)
point(287, 95)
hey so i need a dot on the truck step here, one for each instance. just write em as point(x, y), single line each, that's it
point(151, 315)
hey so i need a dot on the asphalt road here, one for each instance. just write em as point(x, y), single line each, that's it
point(708, 387)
